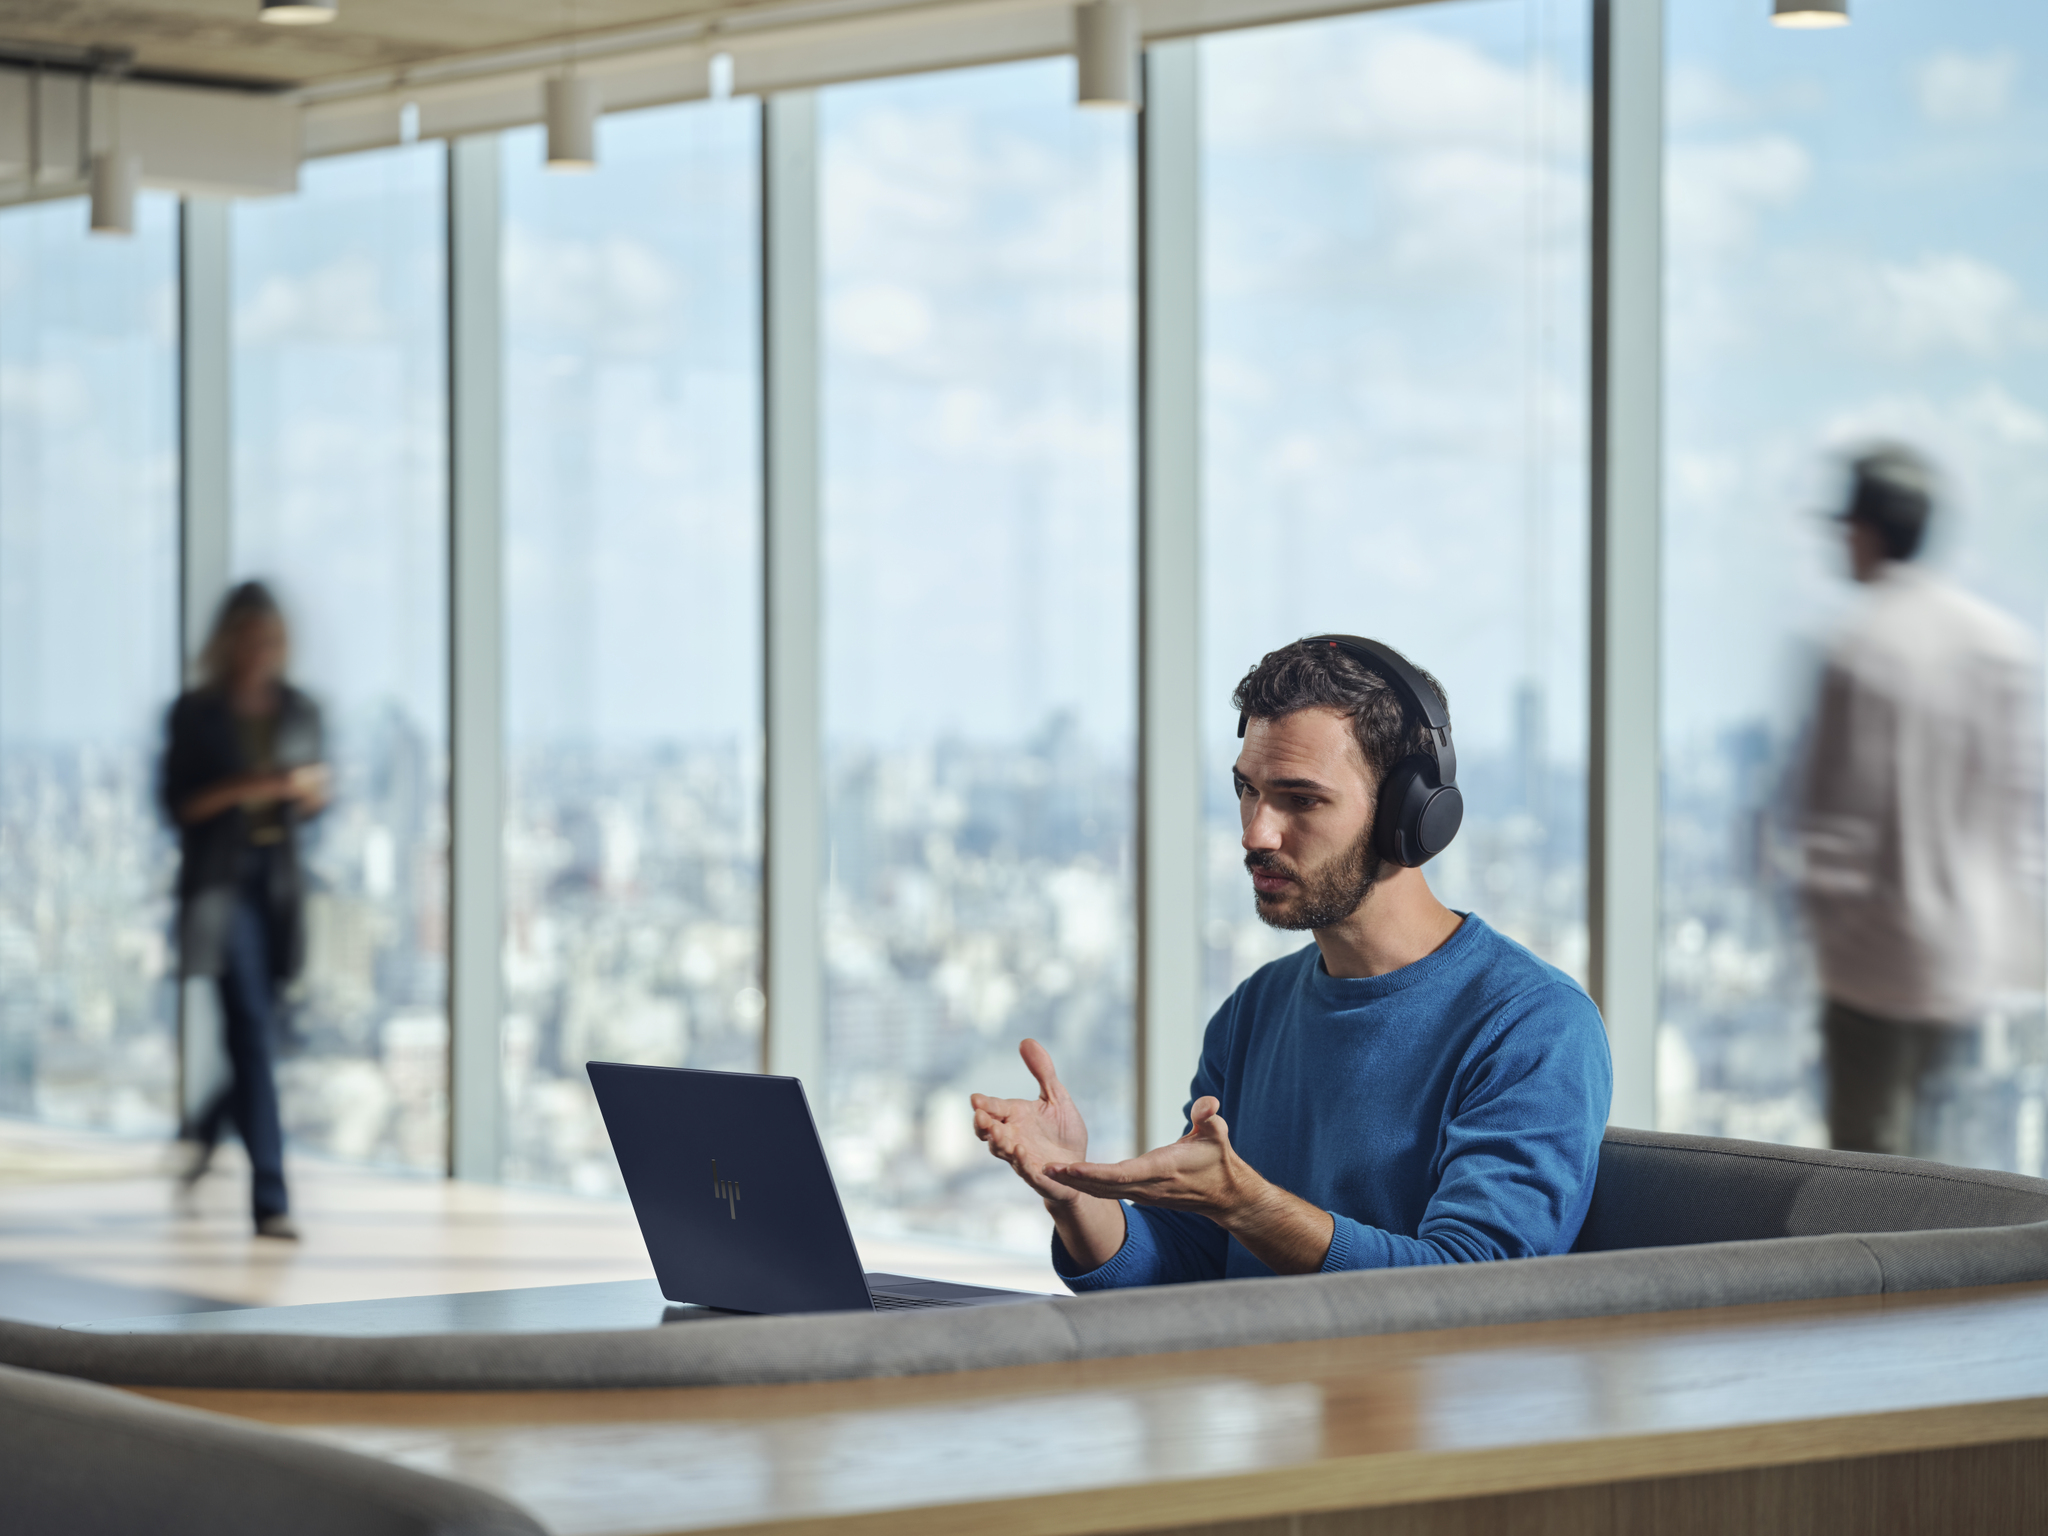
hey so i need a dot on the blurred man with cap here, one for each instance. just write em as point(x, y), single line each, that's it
point(1921, 826)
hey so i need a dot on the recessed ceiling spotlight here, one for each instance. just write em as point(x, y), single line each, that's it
point(1810, 13)
point(299, 13)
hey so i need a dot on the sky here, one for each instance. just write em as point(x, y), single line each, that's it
point(1394, 270)
point(1856, 249)
point(632, 433)
point(88, 476)
point(339, 431)
point(979, 392)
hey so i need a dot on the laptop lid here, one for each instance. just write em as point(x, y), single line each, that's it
point(731, 1188)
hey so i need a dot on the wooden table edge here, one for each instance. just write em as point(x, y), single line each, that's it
point(1423, 1477)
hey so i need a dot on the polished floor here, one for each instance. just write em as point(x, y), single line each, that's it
point(91, 1229)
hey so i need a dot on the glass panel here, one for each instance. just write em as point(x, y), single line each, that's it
point(88, 664)
point(1394, 273)
point(979, 532)
point(633, 620)
point(1855, 253)
point(340, 427)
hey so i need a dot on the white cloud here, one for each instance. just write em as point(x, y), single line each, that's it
point(1383, 86)
point(1953, 87)
point(1697, 97)
point(1943, 303)
point(880, 319)
point(618, 288)
point(52, 395)
point(340, 302)
point(1716, 193)
point(2005, 419)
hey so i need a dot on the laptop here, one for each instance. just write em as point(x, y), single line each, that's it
point(736, 1202)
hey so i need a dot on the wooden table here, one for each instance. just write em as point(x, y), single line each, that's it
point(1923, 1413)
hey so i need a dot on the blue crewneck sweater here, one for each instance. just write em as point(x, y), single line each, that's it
point(1447, 1112)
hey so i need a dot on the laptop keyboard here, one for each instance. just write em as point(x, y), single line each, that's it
point(884, 1302)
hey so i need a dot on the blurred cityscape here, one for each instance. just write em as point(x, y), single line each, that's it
point(978, 893)
point(632, 934)
point(88, 1009)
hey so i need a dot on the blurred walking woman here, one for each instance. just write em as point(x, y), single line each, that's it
point(243, 767)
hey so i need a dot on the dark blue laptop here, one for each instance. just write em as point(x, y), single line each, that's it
point(736, 1201)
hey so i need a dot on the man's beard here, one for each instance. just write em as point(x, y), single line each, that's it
point(1321, 898)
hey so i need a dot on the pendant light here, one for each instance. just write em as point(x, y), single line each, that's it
point(298, 13)
point(1808, 14)
point(115, 170)
point(572, 123)
point(1106, 49)
point(115, 173)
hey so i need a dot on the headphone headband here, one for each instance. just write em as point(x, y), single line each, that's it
point(1385, 662)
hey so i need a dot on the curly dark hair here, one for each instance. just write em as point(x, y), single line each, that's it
point(1304, 676)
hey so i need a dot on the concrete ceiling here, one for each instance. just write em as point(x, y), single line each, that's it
point(222, 40)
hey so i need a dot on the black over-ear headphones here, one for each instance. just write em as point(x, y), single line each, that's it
point(1420, 808)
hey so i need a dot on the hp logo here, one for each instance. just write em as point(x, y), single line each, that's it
point(727, 1190)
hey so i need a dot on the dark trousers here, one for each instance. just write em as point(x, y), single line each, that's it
point(248, 1005)
point(1878, 1072)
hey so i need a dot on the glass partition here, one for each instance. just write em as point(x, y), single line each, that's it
point(1394, 269)
point(1855, 253)
point(979, 538)
point(633, 619)
point(88, 664)
point(341, 500)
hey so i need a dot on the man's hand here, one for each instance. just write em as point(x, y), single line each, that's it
point(1202, 1173)
point(1030, 1133)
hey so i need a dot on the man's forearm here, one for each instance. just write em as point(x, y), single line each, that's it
point(1090, 1229)
point(1281, 1230)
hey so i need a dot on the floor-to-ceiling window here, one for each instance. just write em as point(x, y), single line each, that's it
point(979, 626)
point(1394, 268)
point(340, 500)
point(1855, 250)
point(88, 664)
point(632, 619)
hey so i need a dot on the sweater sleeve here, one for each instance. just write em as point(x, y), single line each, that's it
point(1160, 1248)
point(1515, 1172)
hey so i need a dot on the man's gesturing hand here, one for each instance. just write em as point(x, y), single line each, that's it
point(1202, 1173)
point(1029, 1133)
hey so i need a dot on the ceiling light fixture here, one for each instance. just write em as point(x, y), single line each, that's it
point(1808, 14)
point(572, 123)
point(114, 176)
point(112, 173)
point(298, 13)
point(1106, 49)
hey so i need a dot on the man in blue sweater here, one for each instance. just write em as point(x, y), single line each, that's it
point(1411, 1088)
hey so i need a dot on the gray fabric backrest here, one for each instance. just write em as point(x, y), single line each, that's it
point(1657, 1191)
point(81, 1460)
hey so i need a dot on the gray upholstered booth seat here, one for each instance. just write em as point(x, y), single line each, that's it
point(81, 1460)
point(1677, 1222)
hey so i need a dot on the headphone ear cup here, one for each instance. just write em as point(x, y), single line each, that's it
point(1417, 817)
point(1441, 817)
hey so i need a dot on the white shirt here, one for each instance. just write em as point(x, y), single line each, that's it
point(1922, 824)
